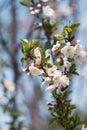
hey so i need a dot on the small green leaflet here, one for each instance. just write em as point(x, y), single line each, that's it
point(25, 3)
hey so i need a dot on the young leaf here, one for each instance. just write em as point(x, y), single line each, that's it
point(53, 119)
point(27, 47)
point(22, 60)
point(35, 41)
point(47, 45)
point(25, 3)
point(74, 26)
point(72, 71)
point(58, 37)
point(68, 29)
point(25, 43)
point(43, 55)
point(55, 25)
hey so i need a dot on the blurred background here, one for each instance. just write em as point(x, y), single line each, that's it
point(25, 94)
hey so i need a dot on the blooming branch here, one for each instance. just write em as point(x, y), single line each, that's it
point(55, 63)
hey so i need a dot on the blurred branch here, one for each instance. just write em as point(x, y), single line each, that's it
point(4, 44)
point(74, 5)
point(32, 104)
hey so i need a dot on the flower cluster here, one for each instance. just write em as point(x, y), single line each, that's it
point(43, 9)
point(50, 13)
point(74, 51)
point(56, 76)
point(35, 10)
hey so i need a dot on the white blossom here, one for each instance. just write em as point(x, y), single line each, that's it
point(77, 41)
point(58, 59)
point(39, 5)
point(24, 69)
point(32, 12)
point(55, 47)
point(28, 73)
point(65, 58)
point(40, 24)
point(37, 52)
point(64, 81)
point(57, 79)
point(68, 44)
point(49, 12)
point(82, 56)
point(35, 71)
point(38, 61)
point(78, 48)
point(67, 64)
point(46, 82)
point(68, 50)
point(51, 88)
point(47, 53)
point(9, 85)
point(37, 11)
point(52, 71)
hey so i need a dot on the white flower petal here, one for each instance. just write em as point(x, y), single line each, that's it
point(48, 11)
point(82, 56)
point(35, 71)
point(37, 52)
point(50, 88)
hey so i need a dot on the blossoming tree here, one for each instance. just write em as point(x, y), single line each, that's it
point(52, 57)
point(55, 61)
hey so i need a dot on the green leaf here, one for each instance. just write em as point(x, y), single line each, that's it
point(47, 24)
point(53, 119)
point(77, 120)
point(68, 29)
point(47, 58)
point(58, 37)
point(20, 125)
point(14, 113)
point(71, 59)
point(22, 60)
point(43, 55)
point(59, 112)
point(25, 3)
point(47, 45)
point(25, 43)
point(71, 107)
point(55, 25)
point(55, 95)
point(22, 49)
point(35, 41)
point(73, 68)
point(72, 71)
point(27, 47)
point(74, 26)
